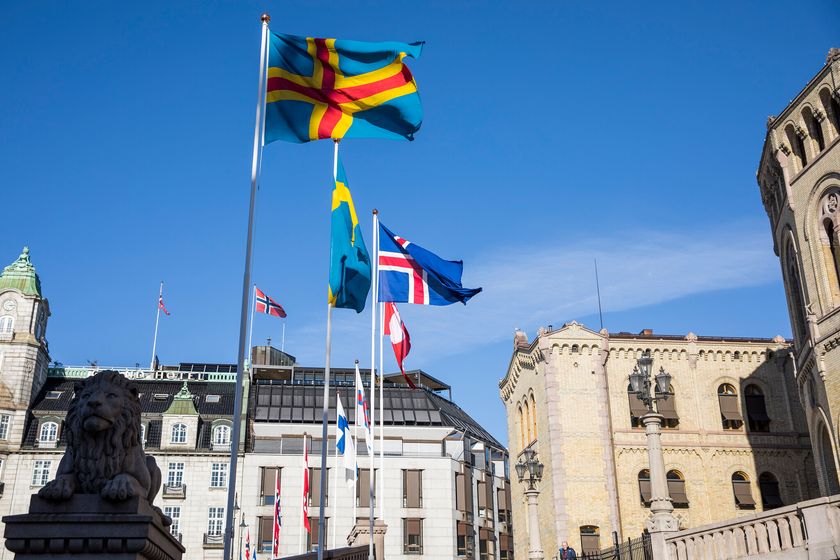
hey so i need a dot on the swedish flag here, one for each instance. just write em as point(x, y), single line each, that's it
point(349, 259)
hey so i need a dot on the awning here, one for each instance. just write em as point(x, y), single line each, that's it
point(637, 407)
point(668, 408)
point(756, 408)
point(676, 489)
point(644, 490)
point(729, 407)
point(743, 495)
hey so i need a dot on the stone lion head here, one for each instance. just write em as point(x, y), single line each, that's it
point(102, 424)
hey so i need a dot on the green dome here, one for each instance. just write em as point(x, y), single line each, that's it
point(20, 275)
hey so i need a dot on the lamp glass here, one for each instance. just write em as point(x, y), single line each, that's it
point(663, 381)
point(645, 362)
point(539, 472)
point(637, 381)
point(520, 471)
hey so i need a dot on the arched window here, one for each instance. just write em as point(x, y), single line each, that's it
point(814, 129)
point(757, 418)
point(768, 485)
point(798, 147)
point(742, 492)
point(730, 413)
point(644, 487)
point(829, 206)
point(534, 415)
point(522, 442)
point(794, 286)
point(179, 433)
point(7, 324)
point(826, 462)
point(668, 408)
point(590, 540)
point(221, 435)
point(676, 489)
point(830, 109)
point(528, 437)
point(49, 433)
point(637, 408)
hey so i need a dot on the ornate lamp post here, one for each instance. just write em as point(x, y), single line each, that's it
point(530, 471)
point(661, 520)
point(242, 527)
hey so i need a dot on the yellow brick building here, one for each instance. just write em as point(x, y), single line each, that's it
point(735, 438)
point(799, 179)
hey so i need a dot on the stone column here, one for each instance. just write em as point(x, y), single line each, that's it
point(535, 551)
point(661, 521)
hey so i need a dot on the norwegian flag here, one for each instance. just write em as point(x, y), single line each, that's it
point(248, 544)
point(161, 306)
point(306, 487)
point(267, 305)
point(275, 532)
point(395, 329)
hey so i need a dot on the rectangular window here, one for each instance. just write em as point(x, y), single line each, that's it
point(266, 535)
point(312, 537)
point(412, 536)
point(363, 488)
point(218, 475)
point(174, 512)
point(41, 473)
point(268, 485)
point(215, 521)
point(486, 544)
point(465, 539)
point(5, 420)
point(412, 488)
point(175, 476)
point(315, 488)
point(464, 491)
point(485, 499)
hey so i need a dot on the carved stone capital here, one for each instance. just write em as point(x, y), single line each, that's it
point(662, 522)
point(800, 131)
point(784, 148)
point(819, 114)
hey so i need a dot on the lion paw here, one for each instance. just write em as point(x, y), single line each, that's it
point(118, 488)
point(57, 490)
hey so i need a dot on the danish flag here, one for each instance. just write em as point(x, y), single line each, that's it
point(395, 329)
point(267, 305)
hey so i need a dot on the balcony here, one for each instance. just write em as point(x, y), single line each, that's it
point(220, 446)
point(174, 491)
point(214, 540)
point(46, 444)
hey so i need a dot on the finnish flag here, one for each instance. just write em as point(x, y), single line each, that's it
point(344, 444)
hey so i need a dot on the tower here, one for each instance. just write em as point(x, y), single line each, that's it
point(24, 355)
point(799, 180)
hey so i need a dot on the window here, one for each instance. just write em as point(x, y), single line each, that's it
point(412, 488)
point(7, 324)
point(175, 476)
point(218, 475)
point(505, 547)
point(143, 435)
point(637, 408)
point(486, 544)
point(644, 487)
point(590, 540)
point(528, 436)
point(212, 398)
point(49, 434)
point(179, 433)
point(52, 395)
point(315, 488)
point(312, 536)
point(363, 488)
point(269, 485)
point(412, 536)
point(41, 473)
point(215, 521)
point(676, 489)
point(485, 498)
point(667, 407)
point(5, 420)
point(794, 287)
point(463, 491)
point(797, 144)
point(742, 492)
point(465, 540)
point(221, 435)
point(533, 416)
point(729, 413)
point(265, 536)
point(757, 418)
point(768, 485)
point(503, 500)
point(522, 442)
point(174, 512)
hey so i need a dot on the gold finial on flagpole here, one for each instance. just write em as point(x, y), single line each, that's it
point(357, 362)
point(265, 18)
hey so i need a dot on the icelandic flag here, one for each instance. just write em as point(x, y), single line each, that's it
point(344, 444)
point(362, 411)
point(396, 331)
point(408, 273)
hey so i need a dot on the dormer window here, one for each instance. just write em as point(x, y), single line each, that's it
point(53, 395)
point(160, 396)
point(48, 435)
point(179, 433)
point(5, 420)
point(212, 398)
point(221, 435)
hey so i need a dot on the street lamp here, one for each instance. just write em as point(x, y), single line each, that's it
point(661, 520)
point(529, 470)
point(242, 527)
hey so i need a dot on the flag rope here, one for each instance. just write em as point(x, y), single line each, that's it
point(259, 136)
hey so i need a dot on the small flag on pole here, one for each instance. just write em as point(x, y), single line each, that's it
point(362, 415)
point(345, 445)
point(409, 273)
point(248, 544)
point(306, 487)
point(396, 331)
point(161, 306)
point(267, 305)
point(275, 530)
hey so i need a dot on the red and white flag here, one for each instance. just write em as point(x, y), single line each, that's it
point(267, 305)
point(395, 329)
point(306, 486)
point(161, 306)
point(275, 533)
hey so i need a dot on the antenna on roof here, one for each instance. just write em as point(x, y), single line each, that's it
point(598, 288)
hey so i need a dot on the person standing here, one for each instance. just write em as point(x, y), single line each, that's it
point(566, 552)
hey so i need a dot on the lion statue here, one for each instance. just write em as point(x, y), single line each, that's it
point(104, 453)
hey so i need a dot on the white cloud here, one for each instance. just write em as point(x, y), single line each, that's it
point(553, 280)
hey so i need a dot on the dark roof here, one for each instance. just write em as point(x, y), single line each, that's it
point(274, 401)
point(682, 337)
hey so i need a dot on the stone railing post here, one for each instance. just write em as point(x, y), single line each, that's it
point(822, 543)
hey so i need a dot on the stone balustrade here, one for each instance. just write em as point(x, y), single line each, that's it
point(807, 530)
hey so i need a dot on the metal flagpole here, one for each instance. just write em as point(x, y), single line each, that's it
point(335, 476)
point(321, 532)
point(157, 322)
point(598, 287)
point(251, 329)
point(381, 407)
point(246, 287)
point(373, 309)
point(302, 526)
point(283, 340)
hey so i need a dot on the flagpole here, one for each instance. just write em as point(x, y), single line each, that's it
point(251, 329)
point(283, 340)
point(381, 404)
point(157, 322)
point(302, 524)
point(335, 476)
point(373, 309)
point(259, 133)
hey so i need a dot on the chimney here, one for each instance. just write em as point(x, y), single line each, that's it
point(646, 332)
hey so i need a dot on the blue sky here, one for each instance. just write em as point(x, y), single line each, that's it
point(554, 133)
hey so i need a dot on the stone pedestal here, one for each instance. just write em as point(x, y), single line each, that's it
point(86, 526)
point(360, 535)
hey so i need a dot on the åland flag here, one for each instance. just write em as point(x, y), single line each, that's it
point(349, 259)
point(335, 88)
